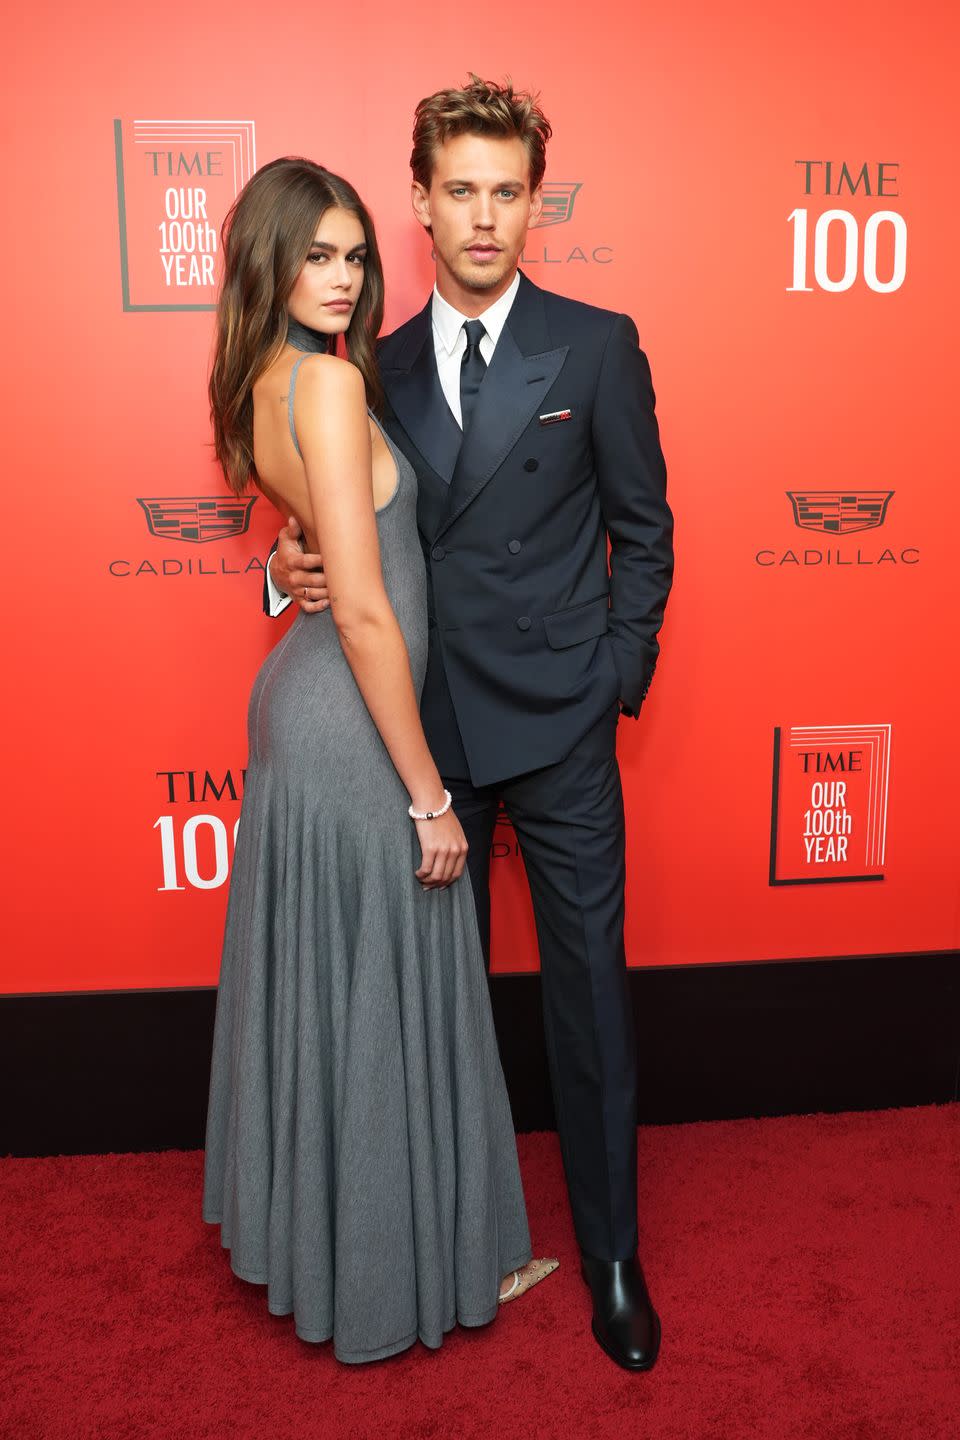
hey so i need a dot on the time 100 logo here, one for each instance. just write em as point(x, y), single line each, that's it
point(197, 849)
point(179, 851)
point(886, 228)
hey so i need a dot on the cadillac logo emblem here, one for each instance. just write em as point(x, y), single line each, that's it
point(197, 518)
point(839, 512)
point(558, 198)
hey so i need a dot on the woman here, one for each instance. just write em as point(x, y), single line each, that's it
point(360, 1154)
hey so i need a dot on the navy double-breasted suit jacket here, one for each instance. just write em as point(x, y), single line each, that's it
point(534, 632)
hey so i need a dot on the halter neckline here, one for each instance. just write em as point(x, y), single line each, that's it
point(301, 337)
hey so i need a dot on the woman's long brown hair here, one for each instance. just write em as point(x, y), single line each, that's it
point(266, 238)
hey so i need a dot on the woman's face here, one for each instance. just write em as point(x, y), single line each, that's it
point(328, 287)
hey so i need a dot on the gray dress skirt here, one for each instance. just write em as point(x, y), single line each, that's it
point(360, 1155)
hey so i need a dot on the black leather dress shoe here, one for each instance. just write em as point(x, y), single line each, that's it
point(625, 1323)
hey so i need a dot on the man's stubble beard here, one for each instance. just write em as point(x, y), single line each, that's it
point(483, 280)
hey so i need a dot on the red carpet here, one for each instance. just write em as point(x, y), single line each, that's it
point(807, 1272)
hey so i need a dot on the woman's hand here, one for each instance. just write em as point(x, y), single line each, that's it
point(444, 851)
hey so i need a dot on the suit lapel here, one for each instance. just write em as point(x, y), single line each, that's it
point(521, 372)
point(413, 388)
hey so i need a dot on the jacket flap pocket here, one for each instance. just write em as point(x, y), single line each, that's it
point(583, 622)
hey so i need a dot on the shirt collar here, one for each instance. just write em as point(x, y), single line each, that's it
point(448, 322)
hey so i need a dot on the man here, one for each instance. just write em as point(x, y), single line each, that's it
point(529, 419)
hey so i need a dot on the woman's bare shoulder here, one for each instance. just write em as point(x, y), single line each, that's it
point(329, 375)
point(330, 405)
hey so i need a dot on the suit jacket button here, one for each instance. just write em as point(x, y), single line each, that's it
point(524, 622)
point(531, 465)
point(437, 553)
point(514, 547)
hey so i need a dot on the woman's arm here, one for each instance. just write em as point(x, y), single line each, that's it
point(334, 435)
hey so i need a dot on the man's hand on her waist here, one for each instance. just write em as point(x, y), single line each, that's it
point(296, 572)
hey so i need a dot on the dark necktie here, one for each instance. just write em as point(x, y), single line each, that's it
point(473, 367)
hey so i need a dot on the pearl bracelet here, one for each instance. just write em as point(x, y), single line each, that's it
point(432, 814)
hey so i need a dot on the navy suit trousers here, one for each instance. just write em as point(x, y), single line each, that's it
point(568, 819)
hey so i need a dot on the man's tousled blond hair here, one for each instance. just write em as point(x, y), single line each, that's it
point(481, 107)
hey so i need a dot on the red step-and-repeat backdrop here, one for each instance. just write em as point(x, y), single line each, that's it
point(769, 191)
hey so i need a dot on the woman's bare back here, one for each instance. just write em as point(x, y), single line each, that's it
point(282, 476)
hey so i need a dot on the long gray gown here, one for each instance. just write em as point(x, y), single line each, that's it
point(361, 1160)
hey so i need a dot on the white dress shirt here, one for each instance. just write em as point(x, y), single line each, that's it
point(449, 343)
point(450, 339)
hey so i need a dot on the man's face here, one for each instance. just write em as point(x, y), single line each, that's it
point(478, 208)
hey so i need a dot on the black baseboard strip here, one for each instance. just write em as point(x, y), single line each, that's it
point(127, 1070)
